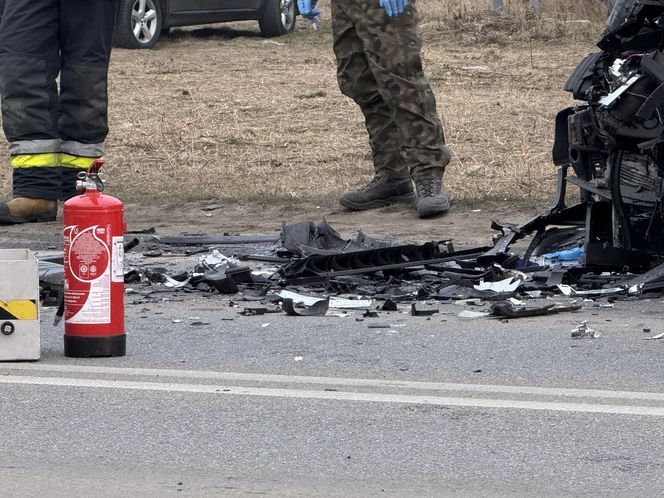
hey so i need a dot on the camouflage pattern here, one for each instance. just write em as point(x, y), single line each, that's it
point(380, 68)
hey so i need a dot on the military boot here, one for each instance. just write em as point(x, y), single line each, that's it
point(27, 210)
point(379, 192)
point(432, 198)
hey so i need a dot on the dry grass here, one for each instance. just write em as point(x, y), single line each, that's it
point(223, 113)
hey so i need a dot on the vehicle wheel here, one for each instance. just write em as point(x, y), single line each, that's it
point(278, 17)
point(139, 24)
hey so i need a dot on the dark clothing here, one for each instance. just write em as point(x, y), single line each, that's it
point(53, 133)
point(380, 68)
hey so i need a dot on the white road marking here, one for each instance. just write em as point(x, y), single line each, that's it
point(335, 395)
point(335, 382)
point(330, 388)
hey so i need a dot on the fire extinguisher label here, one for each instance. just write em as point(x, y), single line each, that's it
point(88, 292)
point(118, 259)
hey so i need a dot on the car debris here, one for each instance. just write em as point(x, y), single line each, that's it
point(379, 325)
point(390, 305)
point(334, 302)
point(583, 330)
point(507, 309)
point(306, 238)
point(508, 285)
point(319, 308)
point(414, 311)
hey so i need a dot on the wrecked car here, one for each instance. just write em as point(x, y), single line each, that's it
point(611, 145)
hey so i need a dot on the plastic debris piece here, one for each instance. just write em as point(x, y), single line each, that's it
point(175, 284)
point(583, 330)
point(139, 232)
point(319, 308)
point(131, 244)
point(422, 312)
point(379, 326)
point(569, 291)
point(508, 310)
point(501, 287)
point(570, 255)
point(390, 305)
point(335, 302)
point(254, 311)
point(216, 260)
point(306, 238)
point(225, 284)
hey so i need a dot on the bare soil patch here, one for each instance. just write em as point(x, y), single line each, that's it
point(221, 113)
point(466, 226)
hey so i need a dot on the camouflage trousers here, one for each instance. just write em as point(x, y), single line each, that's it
point(380, 68)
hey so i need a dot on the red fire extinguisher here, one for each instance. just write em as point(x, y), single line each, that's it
point(94, 275)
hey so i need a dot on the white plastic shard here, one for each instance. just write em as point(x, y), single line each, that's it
point(569, 291)
point(335, 302)
point(175, 284)
point(503, 286)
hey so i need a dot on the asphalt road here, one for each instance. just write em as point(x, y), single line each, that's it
point(329, 407)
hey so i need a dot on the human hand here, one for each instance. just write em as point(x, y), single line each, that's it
point(394, 7)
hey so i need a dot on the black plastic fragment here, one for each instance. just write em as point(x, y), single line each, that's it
point(508, 310)
point(319, 308)
point(141, 232)
point(390, 305)
point(392, 259)
point(221, 281)
point(422, 312)
point(131, 244)
point(307, 238)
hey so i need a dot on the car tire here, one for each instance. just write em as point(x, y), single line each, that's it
point(139, 23)
point(277, 18)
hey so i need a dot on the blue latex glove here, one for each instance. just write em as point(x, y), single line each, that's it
point(394, 7)
point(308, 9)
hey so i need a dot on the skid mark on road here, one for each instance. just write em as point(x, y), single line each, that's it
point(346, 390)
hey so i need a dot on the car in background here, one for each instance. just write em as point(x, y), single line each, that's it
point(140, 22)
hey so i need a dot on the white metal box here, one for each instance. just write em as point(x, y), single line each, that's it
point(19, 305)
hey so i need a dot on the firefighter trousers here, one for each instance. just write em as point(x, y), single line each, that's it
point(54, 133)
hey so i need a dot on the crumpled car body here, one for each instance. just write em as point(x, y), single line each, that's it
point(614, 140)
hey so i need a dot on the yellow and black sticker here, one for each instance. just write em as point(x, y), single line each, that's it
point(19, 309)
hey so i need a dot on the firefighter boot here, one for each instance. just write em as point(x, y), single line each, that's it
point(432, 198)
point(27, 210)
point(379, 192)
